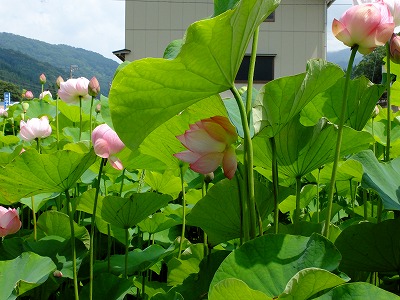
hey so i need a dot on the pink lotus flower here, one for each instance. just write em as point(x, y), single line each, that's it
point(106, 143)
point(395, 48)
point(73, 89)
point(394, 7)
point(35, 128)
point(42, 78)
point(94, 87)
point(9, 221)
point(3, 112)
point(367, 25)
point(28, 95)
point(44, 94)
point(209, 143)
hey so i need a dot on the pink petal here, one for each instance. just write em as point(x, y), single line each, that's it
point(229, 163)
point(207, 163)
point(116, 163)
point(187, 156)
point(3, 210)
point(101, 148)
point(200, 141)
point(341, 33)
point(227, 125)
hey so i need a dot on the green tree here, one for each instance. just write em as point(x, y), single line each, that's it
point(371, 65)
point(12, 88)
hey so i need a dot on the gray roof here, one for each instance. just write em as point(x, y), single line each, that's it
point(329, 2)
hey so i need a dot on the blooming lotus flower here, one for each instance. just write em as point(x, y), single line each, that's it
point(42, 78)
point(28, 95)
point(395, 48)
point(9, 221)
point(73, 89)
point(367, 25)
point(3, 112)
point(42, 95)
point(35, 128)
point(393, 5)
point(209, 143)
point(106, 143)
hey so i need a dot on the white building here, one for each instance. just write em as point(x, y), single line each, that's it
point(295, 32)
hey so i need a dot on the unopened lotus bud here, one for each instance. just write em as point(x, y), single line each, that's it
point(209, 177)
point(375, 112)
point(59, 80)
point(5, 114)
point(42, 78)
point(94, 87)
point(22, 115)
point(29, 95)
point(97, 109)
point(57, 274)
point(25, 106)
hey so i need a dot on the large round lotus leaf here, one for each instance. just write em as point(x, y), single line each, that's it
point(370, 247)
point(268, 263)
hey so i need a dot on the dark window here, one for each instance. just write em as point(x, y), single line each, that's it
point(263, 71)
point(270, 18)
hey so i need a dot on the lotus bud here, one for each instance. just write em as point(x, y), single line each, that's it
point(25, 106)
point(59, 80)
point(94, 87)
point(5, 114)
point(208, 177)
point(375, 112)
point(42, 78)
point(29, 95)
point(395, 48)
point(97, 109)
point(57, 274)
point(9, 221)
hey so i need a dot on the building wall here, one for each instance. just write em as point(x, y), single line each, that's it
point(297, 34)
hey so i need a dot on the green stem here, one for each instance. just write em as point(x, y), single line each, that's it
point(92, 226)
point(57, 126)
point(4, 125)
point(80, 118)
point(365, 204)
point(122, 182)
point(71, 224)
point(204, 191)
point(183, 214)
point(297, 211)
point(108, 248)
point(126, 251)
point(34, 219)
point(319, 171)
point(389, 106)
point(251, 74)
point(90, 118)
point(352, 197)
point(275, 184)
point(244, 216)
point(248, 164)
point(339, 142)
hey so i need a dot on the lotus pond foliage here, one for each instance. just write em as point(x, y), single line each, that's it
point(167, 190)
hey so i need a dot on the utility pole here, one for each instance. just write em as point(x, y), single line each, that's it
point(72, 68)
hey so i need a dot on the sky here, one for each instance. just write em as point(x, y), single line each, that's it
point(96, 25)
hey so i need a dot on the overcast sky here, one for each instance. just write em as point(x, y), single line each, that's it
point(96, 25)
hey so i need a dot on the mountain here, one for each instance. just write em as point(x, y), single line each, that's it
point(22, 60)
point(341, 57)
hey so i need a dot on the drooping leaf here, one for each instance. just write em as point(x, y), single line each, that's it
point(267, 263)
point(152, 90)
point(32, 173)
point(384, 178)
point(308, 282)
point(235, 289)
point(23, 273)
point(128, 212)
point(362, 98)
point(357, 291)
point(370, 247)
point(282, 99)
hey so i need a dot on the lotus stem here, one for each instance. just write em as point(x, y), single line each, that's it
point(80, 118)
point(183, 214)
point(34, 219)
point(389, 106)
point(275, 184)
point(339, 141)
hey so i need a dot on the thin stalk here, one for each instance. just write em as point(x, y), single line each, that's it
point(108, 248)
point(126, 252)
point(248, 163)
point(319, 171)
point(122, 182)
point(57, 126)
point(352, 197)
point(365, 204)
point(80, 118)
point(379, 210)
point(183, 214)
point(339, 141)
point(244, 215)
point(275, 184)
point(251, 73)
point(92, 226)
point(204, 191)
point(34, 219)
point(4, 125)
point(389, 106)
point(71, 224)
point(297, 211)
point(90, 118)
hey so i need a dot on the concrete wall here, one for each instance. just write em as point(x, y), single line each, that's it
point(297, 34)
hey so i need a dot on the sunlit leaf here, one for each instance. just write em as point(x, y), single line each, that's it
point(357, 290)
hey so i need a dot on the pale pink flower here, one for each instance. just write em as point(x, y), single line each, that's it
point(106, 143)
point(29, 95)
point(42, 78)
point(35, 128)
point(9, 221)
point(394, 7)
point(44, 94)
point(209, 143)
point(367, 25)
point(94, 87)
point(73, 89)
point(3, 112)
point(395, 48)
